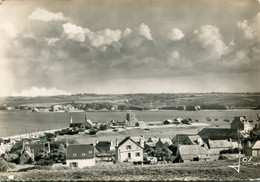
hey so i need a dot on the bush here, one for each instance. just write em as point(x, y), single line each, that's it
point(4, 165)
point(44, 162)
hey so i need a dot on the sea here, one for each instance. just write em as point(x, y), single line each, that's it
point(21, 122)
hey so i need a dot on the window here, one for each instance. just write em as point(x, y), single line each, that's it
point(90, 151)
point(83, 154)
point(128, 147)
point(137, 154)
point(73, 164)
point(74, 154)
point(129, 155)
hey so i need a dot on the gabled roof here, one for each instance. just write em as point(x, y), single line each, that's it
point(194, 139)
point(188, 152)
point(220, 144)
point(103, 146)
point(150, 144)
point(29, 153)
point(80, 151)
point(180, 138)
point(164, 140)
point(256, 145)
point(128, 138)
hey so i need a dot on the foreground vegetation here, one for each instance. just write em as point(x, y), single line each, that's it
point(185, 171)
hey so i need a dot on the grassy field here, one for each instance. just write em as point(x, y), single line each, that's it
point(102, 172)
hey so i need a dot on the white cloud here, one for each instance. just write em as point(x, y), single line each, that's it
point(251, 28)
point(175, 34)
point(248, 31)
point(126, 32)
point(35, 91)
point(44, 15)
point(29, 35)
point(51, 41)
point(100, 38)
point(75, 32)
point(210, 39)
point(9, 29)
point(103, 37)
point(144, 30)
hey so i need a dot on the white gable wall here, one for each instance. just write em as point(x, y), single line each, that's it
point(122, 152)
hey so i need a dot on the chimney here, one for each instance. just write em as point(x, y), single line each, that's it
point(116, 142)
point(141, 142)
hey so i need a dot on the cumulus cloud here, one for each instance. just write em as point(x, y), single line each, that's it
point(126, 32)
point(94, 38)
point(210, 39)
point(75, 32)
point(103, 37)
point(175, 34)
point(35, 91)
point(44, 15)
point(251, 28)
point(52, 41)
point(9, 29)
point(144, 30)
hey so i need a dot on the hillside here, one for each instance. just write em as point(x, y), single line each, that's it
point(144, 101)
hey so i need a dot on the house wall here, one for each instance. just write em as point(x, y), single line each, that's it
point(255, 152)
point(81, 162)
point(122, 152)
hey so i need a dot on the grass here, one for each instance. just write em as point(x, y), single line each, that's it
point(102, 172)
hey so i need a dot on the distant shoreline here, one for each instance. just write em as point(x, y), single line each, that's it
point(213, 110)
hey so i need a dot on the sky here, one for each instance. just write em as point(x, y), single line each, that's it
point(133, 46)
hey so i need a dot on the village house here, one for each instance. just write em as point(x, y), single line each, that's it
point(218, 134)
point(187, 139)
point(140, 124)
point(163, 143)
point(216, 146)
point(104, 146)
point(80, 155)
point(129, 151)
point(168, 121)
point(252, 148)
point(105, 151)
point(88, 124)
point(57, 107)
point(189, 153)
point(27, 156)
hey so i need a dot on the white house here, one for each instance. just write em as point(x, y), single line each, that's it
point(80, 155)
point(129, 151)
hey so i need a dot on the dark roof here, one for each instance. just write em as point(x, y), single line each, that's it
point(17, 145)
point(180, 138)
point(128, 138)
point(218, 133)
point(76, 125)
point(103, 146)
point(80, 151)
